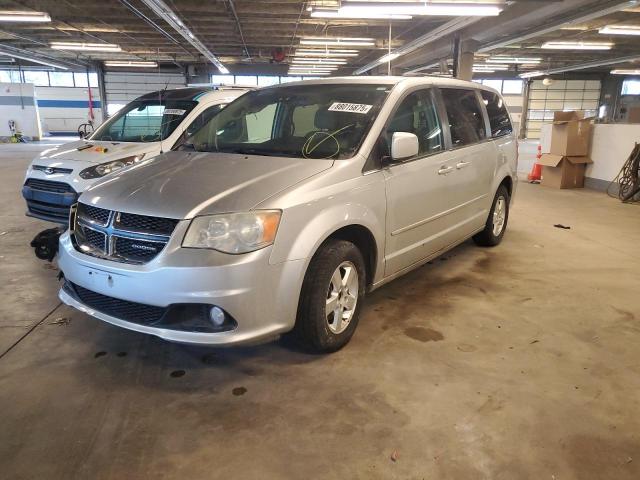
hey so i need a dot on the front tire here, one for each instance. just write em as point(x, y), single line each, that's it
point(496, 222)
point(331, 299)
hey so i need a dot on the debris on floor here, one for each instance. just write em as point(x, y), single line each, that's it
point(559, 225)
point(60, 321)
point(394, 456)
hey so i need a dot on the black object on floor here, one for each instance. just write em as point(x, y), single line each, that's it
point(45, 243)
point(559, 225)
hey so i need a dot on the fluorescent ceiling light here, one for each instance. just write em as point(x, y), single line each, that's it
point(532, 74)
point(323, 53)
point(493, 67)
point(515, 60)
point(419, 8)
point(116, 63)
point(626, 71)
point(483, 70)
point(325, 50)
point(315, 74)
point(86, 47)
point(338, 41)
point(35, 60)
point(364, 15)
point(327, 61)
point(312, 68)
point(620, 30)
point(578, 45)
point(18, 16)
point(388, 57)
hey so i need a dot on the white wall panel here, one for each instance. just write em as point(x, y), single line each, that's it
point(121, 88)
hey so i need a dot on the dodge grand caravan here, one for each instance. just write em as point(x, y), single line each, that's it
point(139, 131)
point(288, 206)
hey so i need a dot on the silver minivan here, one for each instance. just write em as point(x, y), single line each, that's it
point(289, 206)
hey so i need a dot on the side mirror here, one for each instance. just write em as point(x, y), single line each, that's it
point(403, 145)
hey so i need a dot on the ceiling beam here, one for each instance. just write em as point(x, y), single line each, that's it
point(594, 64)
point(435, 34)
point(585, 14)
point(163, 11)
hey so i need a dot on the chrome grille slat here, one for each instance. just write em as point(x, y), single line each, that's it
point(101, 233)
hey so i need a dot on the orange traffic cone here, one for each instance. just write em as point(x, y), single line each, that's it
point(536, 170)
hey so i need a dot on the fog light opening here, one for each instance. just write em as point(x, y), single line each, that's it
point(217, 316)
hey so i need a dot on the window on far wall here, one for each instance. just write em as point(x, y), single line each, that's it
point(80, 79)
point(61, 79)
point(250, 80)
point(38, 78)
point(631, 87)
point(222, 79)
point(266, 80)
point(497, 84)
point(512, 87)
point(10, 76)
point(290, 79)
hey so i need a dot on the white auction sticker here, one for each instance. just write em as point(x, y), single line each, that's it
point(174, 111)
point(350, 107)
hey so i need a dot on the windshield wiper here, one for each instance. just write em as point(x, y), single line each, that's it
point(187, 146)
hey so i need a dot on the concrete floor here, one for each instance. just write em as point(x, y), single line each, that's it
point(518, 362)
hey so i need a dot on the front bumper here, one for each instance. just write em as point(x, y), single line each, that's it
point(48, 205)
point(262, 298)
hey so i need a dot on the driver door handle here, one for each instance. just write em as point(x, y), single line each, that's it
point(460, 165)
point(444, 170)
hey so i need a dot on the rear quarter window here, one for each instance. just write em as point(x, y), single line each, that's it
point(498, 116)
point(466, 121)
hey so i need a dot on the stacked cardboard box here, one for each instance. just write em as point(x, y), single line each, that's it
point(565, 165)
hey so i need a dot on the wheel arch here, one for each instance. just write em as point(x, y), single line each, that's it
point(362, 238)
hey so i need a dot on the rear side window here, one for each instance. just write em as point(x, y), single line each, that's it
point(498, 116)
point(466, 121)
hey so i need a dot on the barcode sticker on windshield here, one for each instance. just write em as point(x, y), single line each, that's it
point(350, 107)
point(174, 111)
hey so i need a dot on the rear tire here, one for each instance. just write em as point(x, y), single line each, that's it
point(496, 222)
point(331, 299)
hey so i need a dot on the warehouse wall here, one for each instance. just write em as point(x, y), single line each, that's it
point(64, 109)
point(17, 101)
point(121, 88)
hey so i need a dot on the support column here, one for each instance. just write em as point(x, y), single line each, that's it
point(463, 59)
point(103, 92)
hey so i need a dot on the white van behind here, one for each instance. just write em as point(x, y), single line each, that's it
point(141, 130)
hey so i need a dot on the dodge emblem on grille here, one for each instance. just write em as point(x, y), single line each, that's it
point(143, 247)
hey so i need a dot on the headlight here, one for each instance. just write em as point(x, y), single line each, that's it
point(103, 169)
point(233, 232)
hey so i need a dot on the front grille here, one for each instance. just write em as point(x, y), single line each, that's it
point(51, 170)
point(136, 249)
point(143, 223)
point(48, 211)
point(123, 237)
point(123, 309)
point(49, 186)
point(95, 239)
point(95, 214)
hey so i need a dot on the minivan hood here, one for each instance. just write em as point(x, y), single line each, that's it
point(90, 152)
point(183, 185)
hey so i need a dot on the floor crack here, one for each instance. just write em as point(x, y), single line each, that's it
point(36, 325)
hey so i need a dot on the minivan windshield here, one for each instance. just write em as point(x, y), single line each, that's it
point(144, 121)
point(310, 121)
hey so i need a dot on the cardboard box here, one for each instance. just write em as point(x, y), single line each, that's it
point(561, 171)
point(570, 134)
